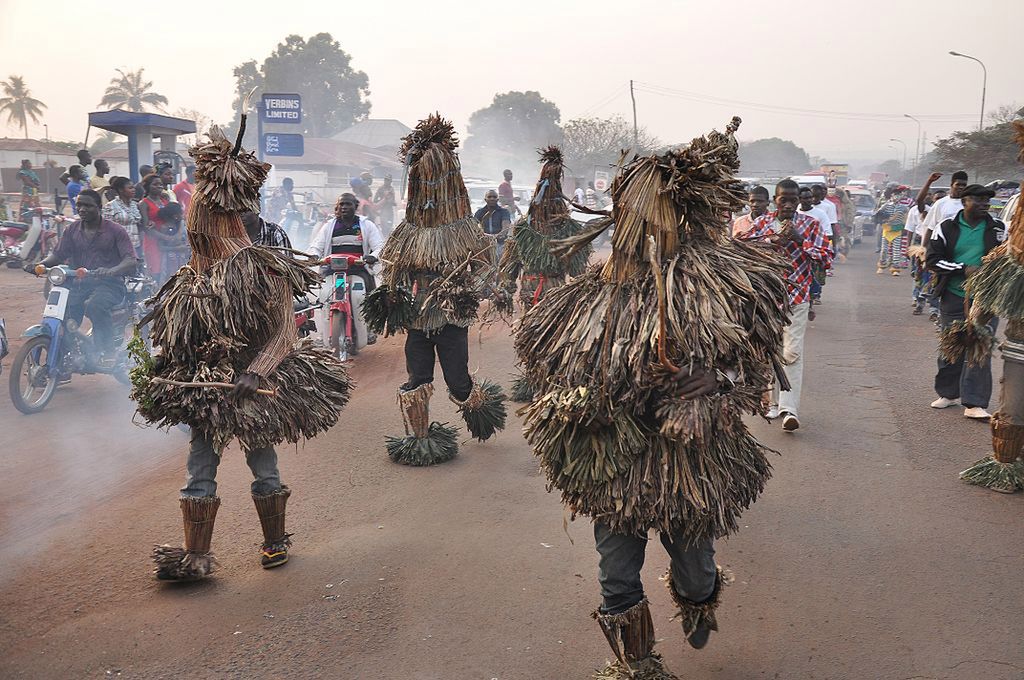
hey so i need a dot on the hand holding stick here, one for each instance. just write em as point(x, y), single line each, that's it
point(219, 385)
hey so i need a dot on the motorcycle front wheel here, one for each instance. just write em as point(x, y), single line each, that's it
point(31, 385)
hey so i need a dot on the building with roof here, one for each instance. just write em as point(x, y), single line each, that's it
point(40, 152)
point(375, 133)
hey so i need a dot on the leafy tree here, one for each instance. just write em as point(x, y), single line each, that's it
point(773, 156)
point(18, 103)
point(132, 92)
point(513, 123)
point(989, 152)
point(106, 141)
point(597, 143)
point(201, 120)
point(892, 168)
point(333, 93)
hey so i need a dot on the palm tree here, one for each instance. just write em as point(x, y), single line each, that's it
point(129, 91)
point(18, 103)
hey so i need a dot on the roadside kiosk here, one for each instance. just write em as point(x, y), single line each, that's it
point(141, 129)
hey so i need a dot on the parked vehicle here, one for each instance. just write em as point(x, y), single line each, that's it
point(29, 241)
point(343, 292)
point(56, 348)
point(865, 205)
point(1009, 208)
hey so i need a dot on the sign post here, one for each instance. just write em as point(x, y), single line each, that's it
point(279, 108)
point(280, 144)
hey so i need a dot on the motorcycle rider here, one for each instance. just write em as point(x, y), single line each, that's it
point(104, 249)
point(352, 234)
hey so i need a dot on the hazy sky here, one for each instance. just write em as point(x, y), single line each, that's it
point(859, 57)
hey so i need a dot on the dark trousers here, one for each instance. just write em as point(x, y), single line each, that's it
point(451, 345)
point(622, 558)
point(96, 299)
point(972, 385)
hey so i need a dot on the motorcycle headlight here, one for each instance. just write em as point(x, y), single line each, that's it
point(57, 276)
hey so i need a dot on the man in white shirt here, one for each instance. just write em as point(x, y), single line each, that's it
point(807, 207)
point(944, 208)
point(818, 193)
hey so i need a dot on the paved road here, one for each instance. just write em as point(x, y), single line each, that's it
point(865, 558)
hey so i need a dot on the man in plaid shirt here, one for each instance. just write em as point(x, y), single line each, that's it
point(265, 233)
point(802, 240)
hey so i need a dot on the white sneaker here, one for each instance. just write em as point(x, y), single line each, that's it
point(773, 413)
point(790, 423)
point(977, 412)
point(942, 402)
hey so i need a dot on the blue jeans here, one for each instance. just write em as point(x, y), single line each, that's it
point(622, 558)
point(201, 469)
point(972, 385)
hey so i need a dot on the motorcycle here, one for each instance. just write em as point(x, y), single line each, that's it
point(56, 348)
point(305, 324)
point(22, 242)
point(345, 290)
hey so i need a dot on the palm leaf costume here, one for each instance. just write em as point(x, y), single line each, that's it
point(608, 424)
point(229, 311)
point(527, 259)
point(436, 266)
point(225, 314)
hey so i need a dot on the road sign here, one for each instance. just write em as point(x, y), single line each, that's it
point(281, 108)
point(277, 144)
point(600, 180)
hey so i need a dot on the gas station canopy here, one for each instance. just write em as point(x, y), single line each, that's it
point(141, 128)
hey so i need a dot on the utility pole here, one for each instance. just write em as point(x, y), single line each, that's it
point(636, 134)
point(917, 147)
point(904, 154)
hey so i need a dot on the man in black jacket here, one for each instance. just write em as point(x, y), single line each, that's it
point(954, 254)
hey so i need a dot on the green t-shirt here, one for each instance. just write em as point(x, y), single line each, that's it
point(969, 249)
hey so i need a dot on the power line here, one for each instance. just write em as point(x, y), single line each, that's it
point(615, 93)
point(789, 110)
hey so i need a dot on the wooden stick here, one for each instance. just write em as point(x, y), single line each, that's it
point(221, 385)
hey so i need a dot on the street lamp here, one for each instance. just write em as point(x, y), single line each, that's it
point(917, 146)
point(984, 85)
point(46, 173)
point(893, 139)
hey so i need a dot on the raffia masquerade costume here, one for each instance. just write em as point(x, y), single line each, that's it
point(227, 313)
point(997, 290)
point(606, 350)
point(436, 263)
point(527, 258)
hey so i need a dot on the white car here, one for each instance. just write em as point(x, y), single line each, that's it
point(1011, 205)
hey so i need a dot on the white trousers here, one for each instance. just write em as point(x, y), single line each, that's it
point(793, 356)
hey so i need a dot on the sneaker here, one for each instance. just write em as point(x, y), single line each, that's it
point(942, 402)
point(790, 423)
point(772, 413)
point(918, 311)
point(895, 272)
point(274, 554)
point(880, 270)
point(699, 638)
point(977, 413)
point(811, 315)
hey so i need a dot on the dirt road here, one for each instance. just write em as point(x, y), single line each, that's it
point(865, 558)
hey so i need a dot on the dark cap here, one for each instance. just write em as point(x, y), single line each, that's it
point(978, 191)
